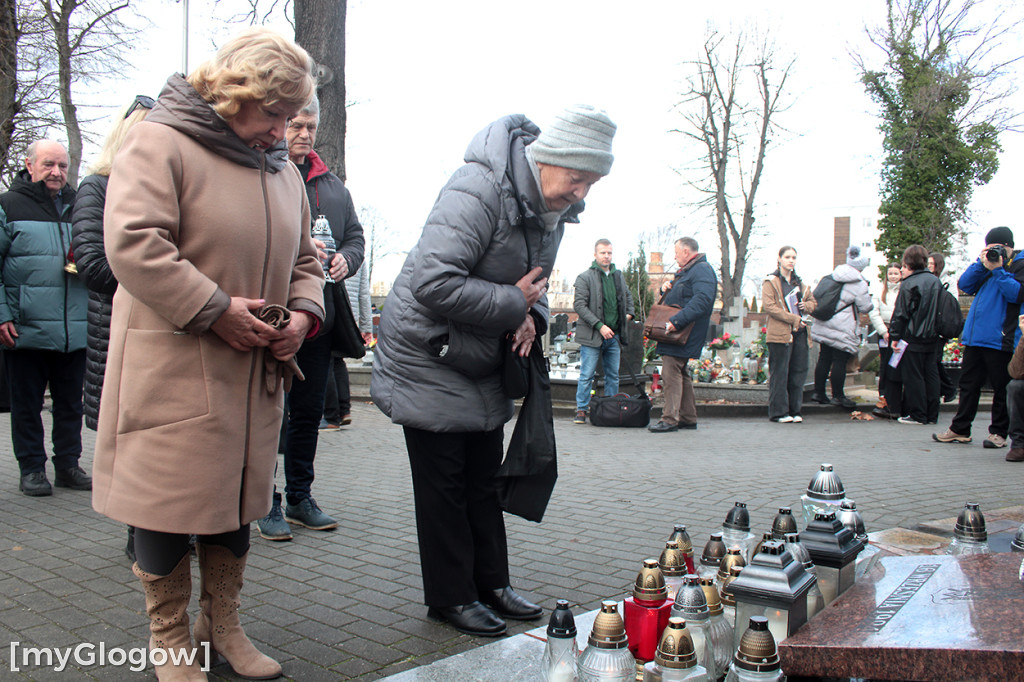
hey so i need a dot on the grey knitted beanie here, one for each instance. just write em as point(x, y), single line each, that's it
point(580, 138)
point(853, 258)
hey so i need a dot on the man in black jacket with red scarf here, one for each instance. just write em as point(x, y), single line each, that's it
point(328, 197)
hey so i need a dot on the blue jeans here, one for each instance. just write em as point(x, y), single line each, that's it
point(608, 351)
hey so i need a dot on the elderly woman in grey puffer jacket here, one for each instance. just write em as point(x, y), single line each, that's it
point(839, 336)
point(478, 272)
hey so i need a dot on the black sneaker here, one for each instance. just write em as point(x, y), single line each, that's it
point(843, 401)
point(308, 514)
point(580, 418)
point(273, 526)
point(820, 398)
point(35, 484)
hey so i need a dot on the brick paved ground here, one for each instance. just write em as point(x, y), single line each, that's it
point(347, 604)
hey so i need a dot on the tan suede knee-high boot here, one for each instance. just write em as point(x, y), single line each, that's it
point(167, 606)
point(221, 583)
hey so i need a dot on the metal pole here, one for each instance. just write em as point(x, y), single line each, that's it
point(184, 37)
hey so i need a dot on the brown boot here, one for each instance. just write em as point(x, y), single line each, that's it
point(167, 606)
point(221, 583)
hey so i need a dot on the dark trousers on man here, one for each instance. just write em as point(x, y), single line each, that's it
point(978, 364)
point(305, 409)
point(338, 398)
point(459, 522)
point(28, 372)
point(1015, 409)
point(919, 371)
point(831, 365)
point(787, 372)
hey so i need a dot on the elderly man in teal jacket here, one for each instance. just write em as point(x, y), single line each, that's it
point(42, 319)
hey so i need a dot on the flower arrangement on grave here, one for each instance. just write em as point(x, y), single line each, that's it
point(754, 358)
point(700, 370)
point(953, 352)
point(723, 342)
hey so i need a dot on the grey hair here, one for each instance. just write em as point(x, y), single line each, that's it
point(33, 149)
point(689, 242)
point(313, 108)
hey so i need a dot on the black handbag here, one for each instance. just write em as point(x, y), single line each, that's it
point(622, 409)
point(346, 341)
point(515, 370)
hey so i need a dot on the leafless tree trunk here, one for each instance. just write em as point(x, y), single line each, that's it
point(320, 29)
point(87, 44)
point(8, 72)
point(726, 126)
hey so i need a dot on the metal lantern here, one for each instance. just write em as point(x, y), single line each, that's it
point(680, 535)
point(815, 599)
point(1017, 544)
point(833, 549)
point(757, 657)
point(732, 558)
point(672, 563)
point(775, 586)
point(675, 660)
point(767, 537)
point(560, 650)
point(825, 493)
point(728, 600)
point(607, 657)
point(692, 606)
point(783, 523)
point(720, 630)
point(969, 534)
point(851, 518)
point(736, 530)
point(711, 557)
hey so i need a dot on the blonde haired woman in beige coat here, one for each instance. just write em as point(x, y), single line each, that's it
point(206, 221)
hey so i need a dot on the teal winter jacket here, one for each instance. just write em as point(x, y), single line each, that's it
point(46, 304)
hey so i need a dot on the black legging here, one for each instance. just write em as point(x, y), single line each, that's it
point(831, 361)
point(158, 553)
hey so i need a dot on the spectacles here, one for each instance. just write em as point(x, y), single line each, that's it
point(140, 101)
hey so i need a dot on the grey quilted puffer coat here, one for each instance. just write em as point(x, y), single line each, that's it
point(438, 355)
point(842, 331)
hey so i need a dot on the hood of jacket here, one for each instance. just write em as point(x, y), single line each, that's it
point(500, 147)
point(846, 273)
point(317, 167)
point(37, 191)
point(180, 107)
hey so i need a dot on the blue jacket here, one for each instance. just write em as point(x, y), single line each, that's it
point(46, 304)
point(992, 320)
point(693, 290)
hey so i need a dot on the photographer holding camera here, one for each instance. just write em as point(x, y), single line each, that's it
point(989, 337)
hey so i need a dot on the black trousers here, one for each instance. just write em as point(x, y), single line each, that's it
point(787, 371)
point(831, 365)
point(459, 523)
point(28, 372)
point(305, 404)
point(890, 383)
point(158, 553)
point(338, 398)
point(978, 364)
point(920, 373)
point(1015, 406)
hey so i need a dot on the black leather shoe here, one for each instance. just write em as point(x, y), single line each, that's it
point(35, 484)
point(844, 402)
point(820, 398)
point(472, 619)
point(689, 426)
point(74, 478)
point(662, 427)
point(510, 605)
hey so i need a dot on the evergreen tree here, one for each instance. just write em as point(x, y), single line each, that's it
point(639, 283)
point(941, 130)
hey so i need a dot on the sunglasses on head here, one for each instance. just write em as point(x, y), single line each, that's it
point(140, 101)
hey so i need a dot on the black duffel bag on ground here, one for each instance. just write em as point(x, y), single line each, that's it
point(622, 409)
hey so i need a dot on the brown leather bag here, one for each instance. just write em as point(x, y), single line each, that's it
point(658, 317)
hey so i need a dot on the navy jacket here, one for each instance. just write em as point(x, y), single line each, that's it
point(693, 290)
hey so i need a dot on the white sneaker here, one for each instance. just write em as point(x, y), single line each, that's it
point(785, 420)
point(908, 420)
point(797, 419)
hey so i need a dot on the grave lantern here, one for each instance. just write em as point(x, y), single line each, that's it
point(736, 530)
point(757, 657)
point(680, 535)
point(833, 549)
point(607, 656)
point(711, 557)
point(783, 523)
point(825, 493)
point(775, 586)
point(969, 534)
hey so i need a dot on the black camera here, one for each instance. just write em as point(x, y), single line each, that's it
point(996, 253)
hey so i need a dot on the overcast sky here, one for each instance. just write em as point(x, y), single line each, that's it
point(424, 77)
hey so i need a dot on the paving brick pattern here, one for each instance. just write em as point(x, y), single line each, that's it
point(347, 604)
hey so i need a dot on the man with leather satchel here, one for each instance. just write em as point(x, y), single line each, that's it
point(329, 200)
point(692, 290)
point(605, 306)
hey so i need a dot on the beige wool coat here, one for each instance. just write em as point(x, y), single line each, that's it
point(188, 431)
point(782, 323)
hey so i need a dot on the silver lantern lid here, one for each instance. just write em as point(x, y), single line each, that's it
point(738, 517)
point(851, 518)
point(970, 523)
point(826, 485)
point(1017, 544)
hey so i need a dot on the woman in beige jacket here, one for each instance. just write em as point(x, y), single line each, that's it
point(786, 299)
point(206, 221)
